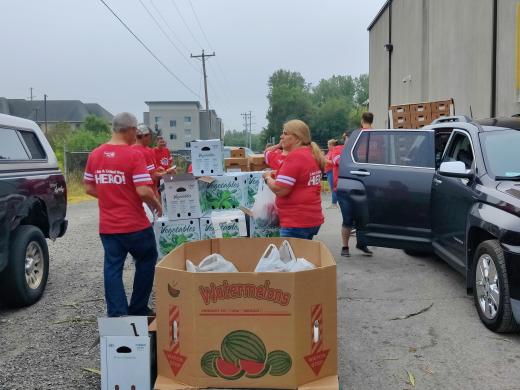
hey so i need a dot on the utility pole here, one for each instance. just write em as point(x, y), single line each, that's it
point(204, 56)
point(246, 127)
point(45, 111)
point(250, 130)
point(31, 92)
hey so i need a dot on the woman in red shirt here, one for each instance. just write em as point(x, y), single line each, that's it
point(329, 171)
point(298, 183)
point(274, 156)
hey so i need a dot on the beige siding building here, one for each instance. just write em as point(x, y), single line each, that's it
point(427, 50)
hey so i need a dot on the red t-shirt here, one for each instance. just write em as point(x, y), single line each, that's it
point(274, 158)
point(328, 166)
point(116, 170)
point(149, 156)
point(190, 168)
point(301, 173)
point(163, 158)
point(336, 156)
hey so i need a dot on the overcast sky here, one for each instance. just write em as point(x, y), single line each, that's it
point(76, 49)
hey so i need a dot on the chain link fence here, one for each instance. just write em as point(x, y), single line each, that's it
point(74, 163)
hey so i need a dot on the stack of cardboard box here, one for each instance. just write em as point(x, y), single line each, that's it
point(417, 115)
point(238, 162)
point(208, 203)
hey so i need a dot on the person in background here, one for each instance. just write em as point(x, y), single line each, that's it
point(347, 226)
point(116, 174)
point(143, 142)
point(332, 143)
point(275, 155)
point(297, 184)
point(163, 157)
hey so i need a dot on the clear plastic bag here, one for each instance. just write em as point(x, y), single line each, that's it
point(264, 208)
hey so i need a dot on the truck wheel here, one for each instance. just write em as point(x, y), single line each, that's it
point(23, 280)
point(491, 288)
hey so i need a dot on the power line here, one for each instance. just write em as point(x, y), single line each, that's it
point(168, 37)
point(149, 51)
point(186, 24)
point(168, 25)
point(207, 41)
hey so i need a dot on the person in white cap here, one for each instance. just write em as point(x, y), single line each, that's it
point(142, 143)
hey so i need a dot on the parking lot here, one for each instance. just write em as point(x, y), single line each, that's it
point(48, 345)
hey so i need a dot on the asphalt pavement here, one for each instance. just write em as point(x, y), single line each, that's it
point(47, 345)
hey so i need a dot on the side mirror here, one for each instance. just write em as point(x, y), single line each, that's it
point(455, 169)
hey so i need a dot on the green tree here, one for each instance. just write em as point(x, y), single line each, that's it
point(331, 120)
point(337, 87)
point(96, 124)
point(361, 87)
point(289, 98)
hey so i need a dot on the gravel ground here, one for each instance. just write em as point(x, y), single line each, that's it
point(48, 345)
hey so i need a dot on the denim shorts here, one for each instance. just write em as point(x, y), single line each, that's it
point(346, 211)
point(306, 233)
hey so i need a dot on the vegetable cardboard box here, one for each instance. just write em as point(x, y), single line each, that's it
point(170, 234)
point(246, 329)
point(181, 197)
point(207, 157)
point(223, 224)
point(226, 192)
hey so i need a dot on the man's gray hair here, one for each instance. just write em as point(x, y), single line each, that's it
point(123, 121)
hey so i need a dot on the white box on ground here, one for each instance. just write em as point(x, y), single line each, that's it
point(207, 157)
point(181, 197)
point(226, 192)
point(223, 224)
point(170, 234)
point(125, 353)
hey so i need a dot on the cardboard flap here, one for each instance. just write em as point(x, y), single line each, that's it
point(179, 177)
point(123, 326)
point(327, 383)
point(206, 179)
point(163, 383)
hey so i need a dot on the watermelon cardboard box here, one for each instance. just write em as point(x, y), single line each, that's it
point(246, 329)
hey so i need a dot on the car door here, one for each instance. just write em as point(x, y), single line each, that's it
point(451, 199)
point(387, 177)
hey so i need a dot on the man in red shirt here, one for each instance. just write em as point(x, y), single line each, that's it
point(143, 141)
point(163, 158)
point(116, 174)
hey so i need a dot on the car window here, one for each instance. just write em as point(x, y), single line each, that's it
point(460, 149)
point(33, 144)
point(500, 149)
point(11, 147)
point(441, 139)
point(404, 148)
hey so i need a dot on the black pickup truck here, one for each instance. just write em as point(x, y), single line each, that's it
point(33, 205)
point(451, 188)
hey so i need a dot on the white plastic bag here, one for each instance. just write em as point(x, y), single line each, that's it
point(282, 260)
point(211, 263)
point(264, 208)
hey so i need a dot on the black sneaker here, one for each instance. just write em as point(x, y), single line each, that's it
point(365, 250)
point(345, 251)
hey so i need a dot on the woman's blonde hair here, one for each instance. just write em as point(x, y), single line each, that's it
point(301, 131)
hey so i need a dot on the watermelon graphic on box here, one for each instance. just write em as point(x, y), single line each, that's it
point(224, 192)
point(243, 353)
point(171, 234)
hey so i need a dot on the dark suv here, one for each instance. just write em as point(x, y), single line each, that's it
point(33, 204)
point(452, 188)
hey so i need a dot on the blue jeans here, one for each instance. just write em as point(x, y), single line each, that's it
point(141, 245)
point(297, 232)
point(330, 179)
point(346, 212)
